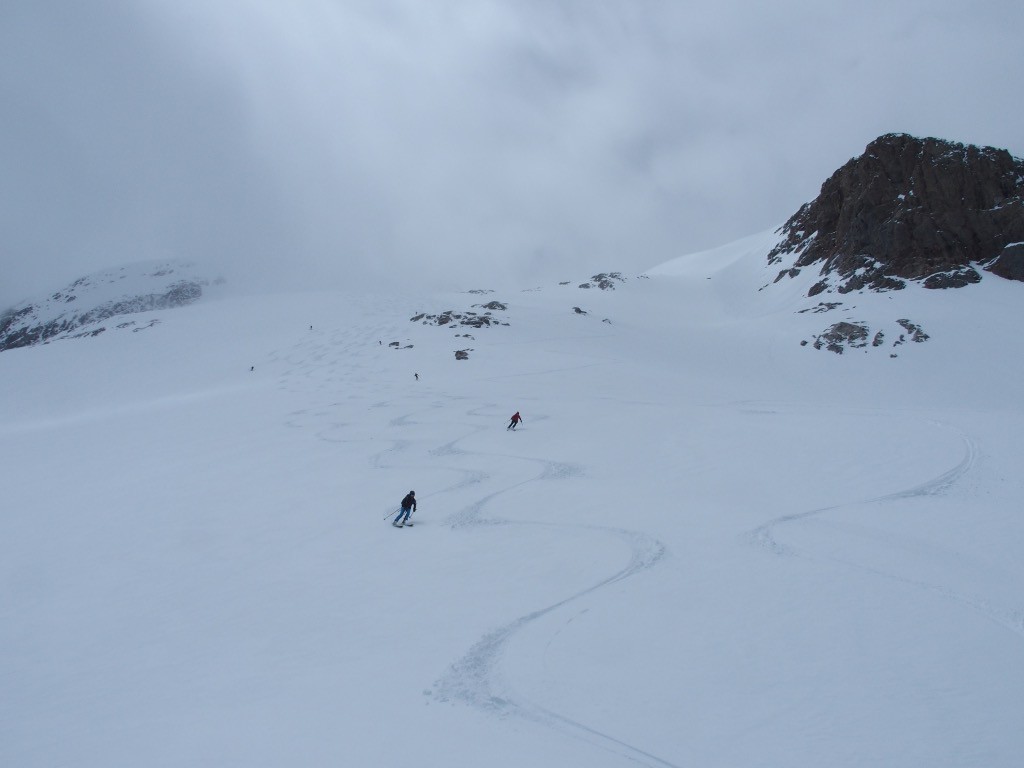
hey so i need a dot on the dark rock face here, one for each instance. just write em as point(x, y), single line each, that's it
point(843, 334)
point(493, 305)
point(467, 318)
point(1010, 263)
point(916, 333)
point(604, 280)
point(911, 209)
point(453, 318)
point(848, 335)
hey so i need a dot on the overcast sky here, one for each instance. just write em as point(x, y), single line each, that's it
point(441, 141)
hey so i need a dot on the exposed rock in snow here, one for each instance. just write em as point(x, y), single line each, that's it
point(604, 280)
point(841, 335)
point(467, 317)
point(854, 335)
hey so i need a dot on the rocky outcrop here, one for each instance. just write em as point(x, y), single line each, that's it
point(466, 318)
point(451, 317)
point(856, 334)
point(910, 209)
point(844, 334)
point(604, 280)
point(1009, 263)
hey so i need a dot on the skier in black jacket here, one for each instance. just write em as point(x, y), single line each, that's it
point(408, 507)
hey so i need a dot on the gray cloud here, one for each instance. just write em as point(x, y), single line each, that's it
point(447, 142)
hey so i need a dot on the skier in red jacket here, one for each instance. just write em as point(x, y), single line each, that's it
point(516, 418)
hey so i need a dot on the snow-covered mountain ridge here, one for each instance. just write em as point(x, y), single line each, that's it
point(120, 299)
point(84, 307)
point(908, 213)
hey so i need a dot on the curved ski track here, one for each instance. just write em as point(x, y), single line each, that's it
point(764, 536)
point(476, 678)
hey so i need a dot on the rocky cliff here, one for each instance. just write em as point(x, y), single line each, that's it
point(910, 209)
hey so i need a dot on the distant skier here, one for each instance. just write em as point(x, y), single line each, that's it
point(417, 376)
point(516, 418)
point(408, 507)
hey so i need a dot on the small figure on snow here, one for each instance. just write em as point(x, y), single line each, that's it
point(417, 376)
point(408, 507)
point(516, 418)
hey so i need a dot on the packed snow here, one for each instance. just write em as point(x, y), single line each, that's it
point(706, 544)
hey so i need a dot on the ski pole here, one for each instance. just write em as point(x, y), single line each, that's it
point(389, 514)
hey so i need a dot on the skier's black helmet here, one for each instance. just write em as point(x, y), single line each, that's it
point(412, 493)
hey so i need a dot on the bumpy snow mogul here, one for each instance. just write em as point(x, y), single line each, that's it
point(84, 307)
point(927, 212)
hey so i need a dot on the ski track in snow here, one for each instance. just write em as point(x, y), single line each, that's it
point(765, 537)
point(476, 679)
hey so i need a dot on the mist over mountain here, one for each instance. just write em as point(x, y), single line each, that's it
point(927, 212)
point(339, 143)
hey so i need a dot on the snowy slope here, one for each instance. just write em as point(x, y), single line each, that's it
point(706, 545)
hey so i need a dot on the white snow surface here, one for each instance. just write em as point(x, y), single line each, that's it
point(706, 545)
